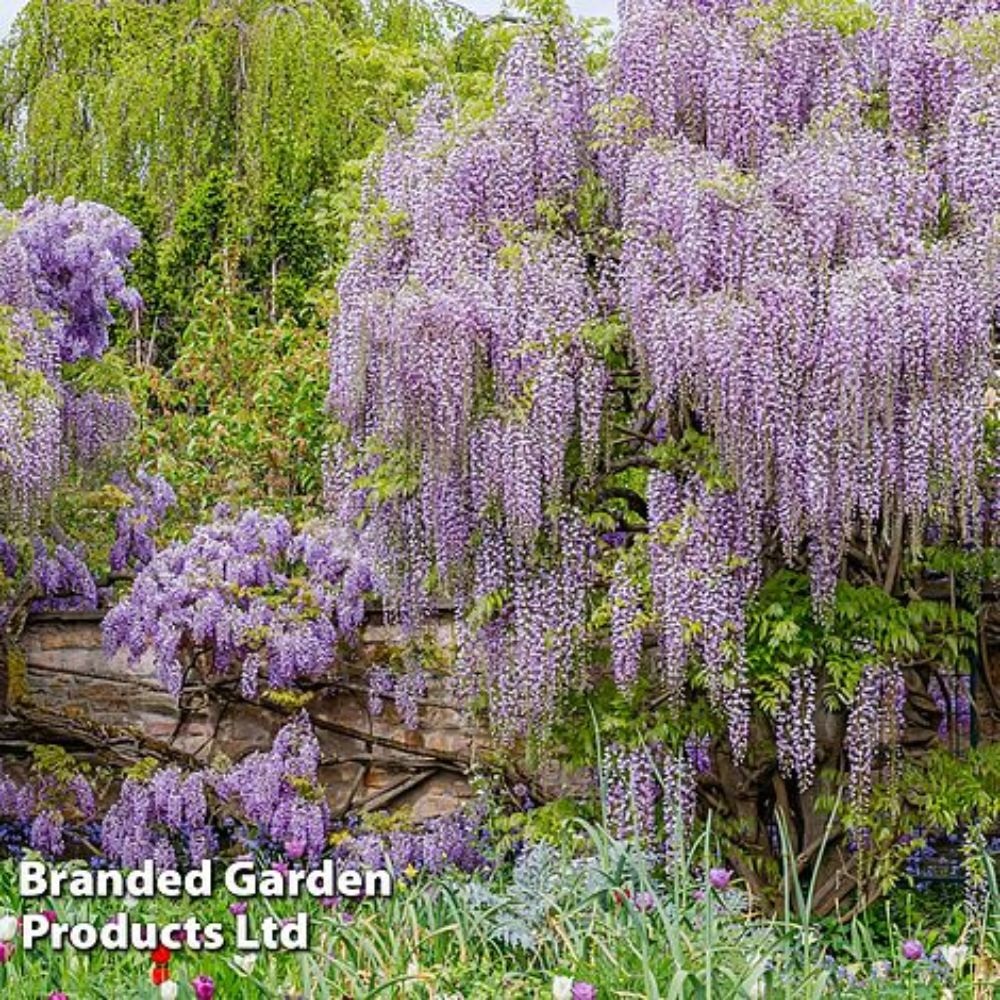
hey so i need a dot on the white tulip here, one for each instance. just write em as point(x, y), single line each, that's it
point(562, 988)
point(168, 990)
point(757, 990)
point(954, 955)
point(8, 927)
point(245, 961)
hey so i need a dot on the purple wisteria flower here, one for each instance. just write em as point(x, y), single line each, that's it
point(262, 598)
point(62, 266)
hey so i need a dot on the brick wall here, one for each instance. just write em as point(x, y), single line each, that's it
point(368, 761)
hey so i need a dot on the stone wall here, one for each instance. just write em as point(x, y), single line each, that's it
point(369, 762)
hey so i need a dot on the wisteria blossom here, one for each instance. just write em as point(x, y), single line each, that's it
point(262, 599)
point(62, 266)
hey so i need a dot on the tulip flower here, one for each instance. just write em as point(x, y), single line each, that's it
point(204, 987)
point(161, 955)
point(584, 991)
point(644, 901)
point(8, 927)
point(912, 950)
point(168, 990)
point(719, 878)
point(562, 988)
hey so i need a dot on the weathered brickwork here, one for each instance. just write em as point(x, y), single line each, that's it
point(369, 761)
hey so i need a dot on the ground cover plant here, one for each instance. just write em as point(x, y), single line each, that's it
point(668, 367)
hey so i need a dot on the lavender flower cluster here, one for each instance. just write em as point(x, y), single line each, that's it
point(649, 796)
point(874, 728)
point(165, 819)
point(703, 570)
point(249, 591)
point(150, 497)
point(458, 344)
point(952, 695)
point(783, 268)
point(62, 265)
point(278, 792)
point(63, 579)
point(36, 812)
point(456, 841)
point(271, 800)
point(404, 690)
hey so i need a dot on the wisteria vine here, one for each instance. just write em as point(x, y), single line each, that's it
point(62, 267)
point(250, 593)
point(802, 272)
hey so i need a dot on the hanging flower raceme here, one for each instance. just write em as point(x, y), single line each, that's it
point(62, 266)
point(460, 370)
point(874, 728)
point(165, 819)
point(649, 797)
point(178, 819)
point(150, 497)
point(703, 571)
point(260, 597)
point(278, 791)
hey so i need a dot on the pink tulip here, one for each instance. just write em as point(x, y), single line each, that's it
point(204, 987)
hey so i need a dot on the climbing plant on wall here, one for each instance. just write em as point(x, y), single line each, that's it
point(696, 353)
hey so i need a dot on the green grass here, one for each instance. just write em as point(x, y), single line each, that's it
point(507, 934)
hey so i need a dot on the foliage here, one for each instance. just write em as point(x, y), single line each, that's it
point(213, 126)
point(239, 416)
point(600, 917)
